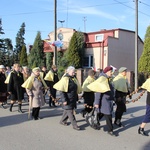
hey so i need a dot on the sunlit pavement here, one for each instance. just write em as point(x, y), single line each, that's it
point(19, 133)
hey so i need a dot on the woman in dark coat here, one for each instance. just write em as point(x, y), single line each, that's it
point(104, 97)
point(3, 87)
point(69, 88)
point(14, 87)
point(51, 78)
point(122, 87)
point(88, 95)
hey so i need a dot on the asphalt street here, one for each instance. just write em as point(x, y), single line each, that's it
point(19, 133)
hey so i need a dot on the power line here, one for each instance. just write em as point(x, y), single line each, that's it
point(72, 8)
point(144, 4)
point(132, 8)
point(117, 2)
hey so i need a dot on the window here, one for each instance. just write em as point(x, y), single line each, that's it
point(88, 61)
point(99, 37)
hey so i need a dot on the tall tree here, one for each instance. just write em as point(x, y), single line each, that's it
point(81, 46)
point(144, 63)
point(9, 54)
point(36, 56)
point(23, 56)
point(75, 50)
point(2, 45)
point(19, 42)
point(49, 60)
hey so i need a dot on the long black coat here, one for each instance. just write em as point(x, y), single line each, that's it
point(14, 86)
point(3, 86)
point(71, 96)
point(105, 100)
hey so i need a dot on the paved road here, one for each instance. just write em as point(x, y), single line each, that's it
point(19, 133)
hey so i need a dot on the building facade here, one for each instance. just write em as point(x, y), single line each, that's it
point(105, 47)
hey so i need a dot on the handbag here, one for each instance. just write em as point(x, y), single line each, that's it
point(92, 119)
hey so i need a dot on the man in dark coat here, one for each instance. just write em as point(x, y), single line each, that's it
point(14, 87)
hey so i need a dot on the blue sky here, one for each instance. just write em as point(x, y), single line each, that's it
point(83, 15)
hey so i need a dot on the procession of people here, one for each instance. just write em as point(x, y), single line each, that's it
point(100, 93)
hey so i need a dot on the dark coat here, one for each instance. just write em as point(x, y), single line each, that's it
point(120, 101)
point(88, 98)
point(14, 86)
point(70, 96)
point(3, 86)
point(50, 84)
point(105, 100)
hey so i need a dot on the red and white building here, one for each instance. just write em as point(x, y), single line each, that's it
point(105, 47)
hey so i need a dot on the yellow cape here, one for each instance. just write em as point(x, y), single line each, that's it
point(8, 78)
point(29, 82)
point(87, 81)
point(49, 76)
point(62, 85)
point(120, 83)
point(146, 85)
point(100, 85)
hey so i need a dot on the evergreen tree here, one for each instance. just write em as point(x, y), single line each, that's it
point(49, 60)
point(23, 56)
point(60, 63)
point(19, 42)
point(2, 45)
point(81, 45)
point(75, 50)
point(9, 54)
point(59, 56)
point(36, 56)
point(144, 63)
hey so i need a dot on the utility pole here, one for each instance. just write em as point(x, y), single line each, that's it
point(136, 45)
point(55, 31)
point(84, 19)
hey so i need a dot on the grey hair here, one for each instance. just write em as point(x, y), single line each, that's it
point(70, 68)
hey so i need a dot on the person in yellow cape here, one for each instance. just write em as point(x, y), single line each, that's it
point(51, 78)
point(88, 95)
point(34, 88)
point(104, 97)
point(146, 86)
point(15, 80)
point(122, 89)
point(26, 72)
point(69, 87)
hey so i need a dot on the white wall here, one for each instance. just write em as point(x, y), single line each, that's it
point(121, 50)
